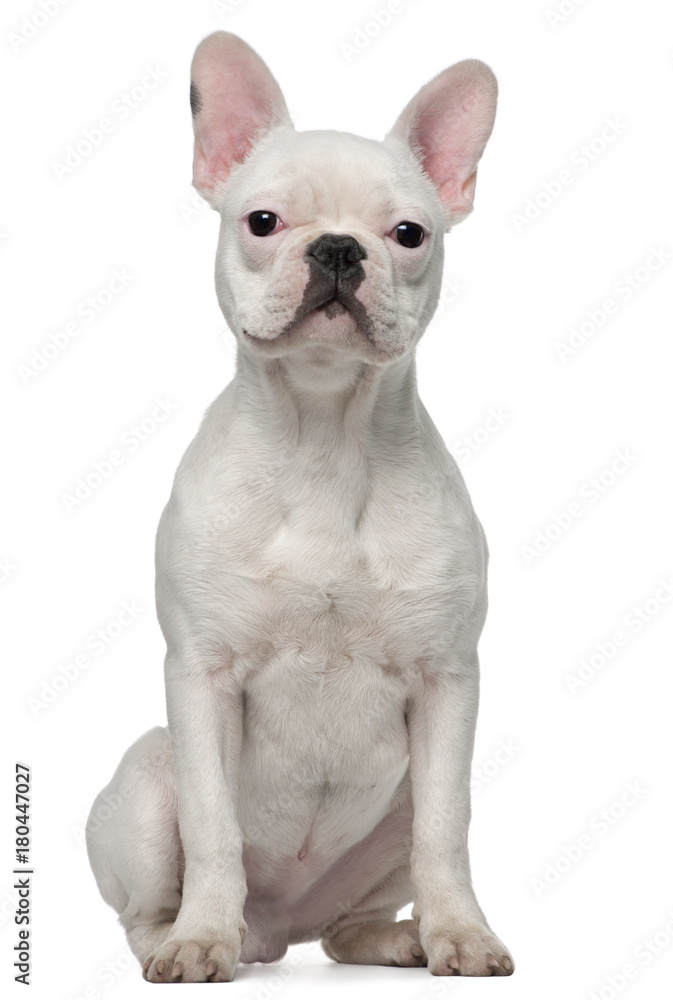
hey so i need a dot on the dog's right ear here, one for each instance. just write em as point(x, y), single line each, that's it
point(235, 101)
point(447, 124)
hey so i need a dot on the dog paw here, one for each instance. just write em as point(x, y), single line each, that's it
point(179, 961)
point(377, 942)
point(467, 952)
point(405, 948)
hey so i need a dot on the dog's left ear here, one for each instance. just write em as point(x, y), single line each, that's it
point(235, 101)
point(447, 124)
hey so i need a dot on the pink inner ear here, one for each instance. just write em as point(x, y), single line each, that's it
point(448, 174)
point(448, 124)
point(237, 101)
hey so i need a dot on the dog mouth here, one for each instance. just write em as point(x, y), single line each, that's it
point(332, 307)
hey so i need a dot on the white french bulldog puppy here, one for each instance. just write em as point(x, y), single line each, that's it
point(321, 575)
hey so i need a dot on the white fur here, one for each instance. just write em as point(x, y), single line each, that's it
point(321, 575)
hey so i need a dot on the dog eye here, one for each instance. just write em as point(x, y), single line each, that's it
point(263, 223)
point(409, 234)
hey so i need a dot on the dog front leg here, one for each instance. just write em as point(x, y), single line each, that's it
point(453, 930)
point(205, 724)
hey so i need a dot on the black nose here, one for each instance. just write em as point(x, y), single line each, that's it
point(337, 253)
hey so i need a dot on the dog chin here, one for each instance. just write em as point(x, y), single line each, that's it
point(332, 322)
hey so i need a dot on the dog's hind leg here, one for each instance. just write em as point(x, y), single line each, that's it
point(134, 845)
point(371, 935)
point(383, 941)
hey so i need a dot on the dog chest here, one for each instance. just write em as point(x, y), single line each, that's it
point(324, 744)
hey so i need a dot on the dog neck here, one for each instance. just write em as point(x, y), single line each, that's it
point(324, 405)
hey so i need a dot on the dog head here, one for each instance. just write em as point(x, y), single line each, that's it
point(327, 237)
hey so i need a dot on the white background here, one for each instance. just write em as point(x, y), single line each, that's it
point(513, 292)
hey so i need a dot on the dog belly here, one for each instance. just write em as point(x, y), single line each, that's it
point(314, 899)
point(324, 757)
